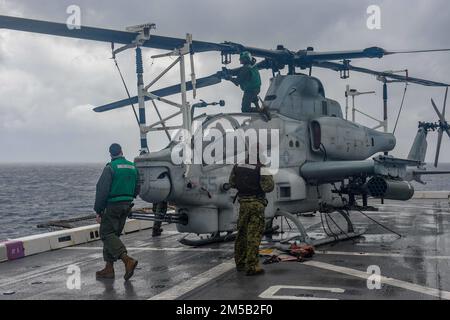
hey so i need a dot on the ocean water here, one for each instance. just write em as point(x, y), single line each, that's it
point(31, 194)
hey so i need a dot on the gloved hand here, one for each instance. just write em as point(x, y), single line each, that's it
point(235, 81)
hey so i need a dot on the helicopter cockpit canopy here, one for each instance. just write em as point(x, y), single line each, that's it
point(223, 138)
point(300, 97)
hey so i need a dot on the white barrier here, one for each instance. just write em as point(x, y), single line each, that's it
point(66, 238)
point(3, 254)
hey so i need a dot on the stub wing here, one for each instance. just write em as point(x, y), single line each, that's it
point(333, 171)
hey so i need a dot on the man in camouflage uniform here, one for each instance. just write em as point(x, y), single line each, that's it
point(252, 183)
point(116, 189)
point(160, 210)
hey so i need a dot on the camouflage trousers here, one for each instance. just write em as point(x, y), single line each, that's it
point(161, 210)
point(111, 227)
point(250, 230)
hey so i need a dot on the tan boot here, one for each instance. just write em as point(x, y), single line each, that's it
point(107, 272)
point(130, 266)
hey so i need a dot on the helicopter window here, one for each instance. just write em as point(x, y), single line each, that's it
point(285, 192)
point(373, 142)
point(218, 148)
point(297, 144)
point(321, 89)
point(324, 108)
point(316, 135)
point(270, 97)
point(291, 144)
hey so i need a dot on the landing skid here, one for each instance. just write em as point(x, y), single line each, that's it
point(216, 238)
point(363, 208)
point(213, 238)
point(301, 234)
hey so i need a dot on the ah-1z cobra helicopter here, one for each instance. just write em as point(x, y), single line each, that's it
point(322, 157)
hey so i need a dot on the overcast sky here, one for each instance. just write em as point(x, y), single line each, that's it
point(49, 85)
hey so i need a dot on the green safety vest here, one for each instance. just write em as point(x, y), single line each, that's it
point(255, 80)
point(124, 180)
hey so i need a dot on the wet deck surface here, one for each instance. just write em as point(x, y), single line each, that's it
point(416, 266)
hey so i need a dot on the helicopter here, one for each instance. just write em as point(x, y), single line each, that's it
point(321, 162)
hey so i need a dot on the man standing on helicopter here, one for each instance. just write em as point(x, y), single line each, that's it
point(248, 78)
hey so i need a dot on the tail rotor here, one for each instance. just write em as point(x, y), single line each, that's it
point(442, 126)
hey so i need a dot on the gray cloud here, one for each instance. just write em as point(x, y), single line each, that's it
point(49, 85)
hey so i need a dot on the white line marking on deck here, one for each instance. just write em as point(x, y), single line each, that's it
point(440, 207)
point(180, 249)
point(42, 272)
point(195, 282)
point(270, 293)
point(343, 253)
point(377, 254)
point(389, 213)
point(389, 281)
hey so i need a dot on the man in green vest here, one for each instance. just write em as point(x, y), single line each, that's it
point(117, 187)
point(248, 78)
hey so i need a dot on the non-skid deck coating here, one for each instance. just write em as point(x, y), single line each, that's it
point(415, 266)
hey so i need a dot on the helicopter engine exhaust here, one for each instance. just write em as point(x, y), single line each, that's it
point(379, 187)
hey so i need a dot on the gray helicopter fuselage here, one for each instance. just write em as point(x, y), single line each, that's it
point(310, 129)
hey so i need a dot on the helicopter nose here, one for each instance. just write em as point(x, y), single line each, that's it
point(155, 184)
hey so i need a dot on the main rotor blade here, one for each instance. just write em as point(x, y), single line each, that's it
point(168, 91)
point(339, 67)
point(438, 147)
point(414, 51)
point(103, 35)
point(372, 52)
point(306, 58)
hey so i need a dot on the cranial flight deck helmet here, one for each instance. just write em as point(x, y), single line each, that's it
point(245, 57)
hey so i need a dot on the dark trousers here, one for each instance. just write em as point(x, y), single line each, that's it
point(111, 227)
point(250, 97)
point(159, 209)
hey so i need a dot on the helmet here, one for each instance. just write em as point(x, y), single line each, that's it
point(245, 57)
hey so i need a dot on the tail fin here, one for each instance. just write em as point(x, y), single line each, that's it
point(419, 146)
